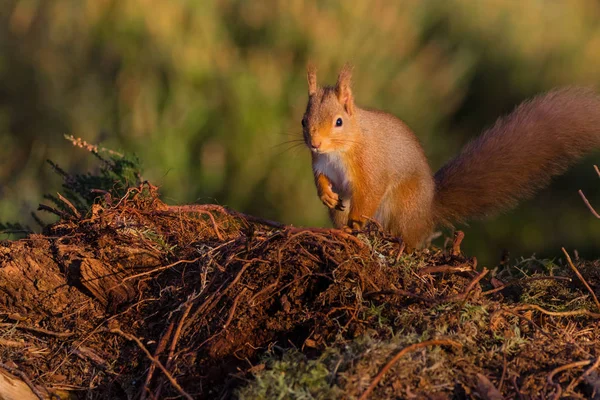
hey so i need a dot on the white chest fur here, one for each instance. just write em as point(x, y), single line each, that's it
point(332, 166)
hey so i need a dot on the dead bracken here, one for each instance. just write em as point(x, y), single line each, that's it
point(136, 299)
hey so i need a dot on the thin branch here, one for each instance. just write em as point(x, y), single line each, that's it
point(588, 371)
point(157, 269)
point(573, 313)
point(469, 288)
point(162, 345)
point(191, 208)
point(11, 343)
point(458, 238)
point(445, 268)
point(154, 361)
point(70, 205)
point(37, 330)
point(589, 206)
point(521, 281)
point(528, 320)
point(25, 379)
point(581, 278)
point(565, 367)
point(59, 213)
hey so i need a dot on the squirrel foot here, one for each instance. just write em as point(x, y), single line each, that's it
point(347, 229)
point(332, 200)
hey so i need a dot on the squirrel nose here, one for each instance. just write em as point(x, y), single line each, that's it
point(315, 145)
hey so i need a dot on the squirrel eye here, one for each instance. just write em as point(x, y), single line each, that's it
point(338, 122)
point(304, 122)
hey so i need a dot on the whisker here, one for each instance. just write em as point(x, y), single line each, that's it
point(288, 142)
point(288, 133)
point(293, 147)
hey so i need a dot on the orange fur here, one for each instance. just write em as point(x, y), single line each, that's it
point(373, 167)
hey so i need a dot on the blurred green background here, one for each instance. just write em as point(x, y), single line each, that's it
point(207, 93)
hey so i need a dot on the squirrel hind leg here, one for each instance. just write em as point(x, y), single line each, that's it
point(414, 225)
point(407, 214)
point(339, 218)
point(414, 233)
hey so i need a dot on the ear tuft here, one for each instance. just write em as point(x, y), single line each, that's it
point(343, 88)
point(311, 75)
point(345, 77)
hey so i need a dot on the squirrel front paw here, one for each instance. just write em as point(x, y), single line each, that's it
point(332, 200)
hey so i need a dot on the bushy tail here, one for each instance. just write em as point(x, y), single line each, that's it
point(518, 155)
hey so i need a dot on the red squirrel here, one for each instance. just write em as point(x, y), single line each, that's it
point(368, 164)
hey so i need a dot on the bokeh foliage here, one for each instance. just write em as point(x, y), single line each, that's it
point(207, 93)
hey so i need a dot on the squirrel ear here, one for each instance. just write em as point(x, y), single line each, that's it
point(311, 75)
point(343, 88)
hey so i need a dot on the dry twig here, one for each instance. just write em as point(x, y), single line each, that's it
point(37, 330)
point(464, 295)
point(522, 281)
point(587, 372)
point(24, 378)
point(70, 205)
point(162, 344)
point(565, 367)
point(154, 361)
point(585, 200)
point(445, 268)
point(398, 356)
point(458, 238)
point(589, 206)
point(557, 313)
point(581, 278)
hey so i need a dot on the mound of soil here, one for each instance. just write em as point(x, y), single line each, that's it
point(140, 300)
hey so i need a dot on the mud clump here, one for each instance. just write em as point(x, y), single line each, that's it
point(138, 299)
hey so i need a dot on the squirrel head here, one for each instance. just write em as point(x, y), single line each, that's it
point(329, 123)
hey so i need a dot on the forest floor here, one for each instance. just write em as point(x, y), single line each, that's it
point(140, 300)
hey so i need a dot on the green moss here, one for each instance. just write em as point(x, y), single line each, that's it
point(292, 377)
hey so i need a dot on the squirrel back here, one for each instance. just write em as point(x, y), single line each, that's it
point(368, 165)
